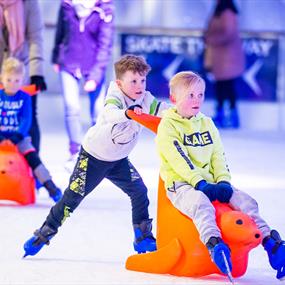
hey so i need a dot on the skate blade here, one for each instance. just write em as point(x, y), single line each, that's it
point(281, 273)
point(229, 274)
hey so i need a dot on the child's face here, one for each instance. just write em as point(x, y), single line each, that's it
point(12, 82)
point(190, 100)
point(132, 84)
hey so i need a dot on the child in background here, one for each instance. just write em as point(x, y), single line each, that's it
point(104, 154)
point(195, 172)
point(15, 121)
point(21, 36)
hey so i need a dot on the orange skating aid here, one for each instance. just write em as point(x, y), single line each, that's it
point(179, 249)
point(16, 180)
point(30, 89)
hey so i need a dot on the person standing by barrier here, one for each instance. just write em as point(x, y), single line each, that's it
point(21, 28)
point(225, 59)
point(82, 49)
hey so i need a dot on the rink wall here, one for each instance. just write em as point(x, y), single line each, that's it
point(167, 19)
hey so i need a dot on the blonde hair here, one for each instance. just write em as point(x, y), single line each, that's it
point(12, 64)
point(130, 62)
point(184, 79)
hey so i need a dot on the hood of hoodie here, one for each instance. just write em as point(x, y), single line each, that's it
point(172, 114)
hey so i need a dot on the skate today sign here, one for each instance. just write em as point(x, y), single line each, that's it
point(168, 54)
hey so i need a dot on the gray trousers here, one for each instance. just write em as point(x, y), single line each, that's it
point(41, 173)
point(196, 205)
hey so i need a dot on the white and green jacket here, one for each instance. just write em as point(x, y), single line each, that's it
point(190, 150)
point(114, 135)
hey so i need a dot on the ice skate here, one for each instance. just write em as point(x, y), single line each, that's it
point(144, 240)
point(220, 119)
point(220, 255)
point(41, 237)
point(275, 248)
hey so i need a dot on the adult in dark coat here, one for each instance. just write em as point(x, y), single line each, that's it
point(225, 59)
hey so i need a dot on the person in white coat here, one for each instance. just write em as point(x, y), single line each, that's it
point(104, 154)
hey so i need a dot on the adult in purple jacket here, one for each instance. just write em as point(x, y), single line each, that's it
point(83, 45)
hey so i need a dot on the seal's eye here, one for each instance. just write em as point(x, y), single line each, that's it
point(239, 222)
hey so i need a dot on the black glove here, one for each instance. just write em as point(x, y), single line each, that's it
point(224, 191)
point(208, 189)
point(16, 138)
point(39, 81)
point(132, 108)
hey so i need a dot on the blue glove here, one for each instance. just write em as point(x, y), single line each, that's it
point(208, 189)
point(224, 191)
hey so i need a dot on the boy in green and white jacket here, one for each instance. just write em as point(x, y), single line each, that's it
point(195, 172)
point(104, 154)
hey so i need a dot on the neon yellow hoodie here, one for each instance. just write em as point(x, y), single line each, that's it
point(190, 150)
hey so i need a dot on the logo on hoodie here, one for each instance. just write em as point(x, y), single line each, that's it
point(198, 139)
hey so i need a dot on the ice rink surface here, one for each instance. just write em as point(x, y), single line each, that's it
point(94, 243)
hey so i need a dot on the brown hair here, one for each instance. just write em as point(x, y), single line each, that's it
point(184, 79)
point(12, 64)
point(130, 62)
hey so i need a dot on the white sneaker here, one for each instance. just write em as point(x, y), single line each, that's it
point(70, 163)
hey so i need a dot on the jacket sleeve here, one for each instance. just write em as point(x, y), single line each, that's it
point(59, 35)
point(218, 159)
point(34, 36)
point(104, 39)
point(172, 150)
point(114, 111)
point(224, 33)
point(155, 106)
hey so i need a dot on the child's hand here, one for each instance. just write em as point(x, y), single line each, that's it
point(56, 68)
point(224, 191)
point(90, 85)
point(136, 108)
point(209, 189)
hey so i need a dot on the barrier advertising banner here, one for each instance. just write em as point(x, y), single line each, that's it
point(169, 54)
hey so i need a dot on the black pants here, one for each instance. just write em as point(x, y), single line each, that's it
point(87, 174)
point(226, 90)
point(35, 130)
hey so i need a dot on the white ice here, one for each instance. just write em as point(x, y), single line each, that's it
point(94, 243)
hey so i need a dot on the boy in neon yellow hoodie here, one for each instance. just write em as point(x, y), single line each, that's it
point(195, 172)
